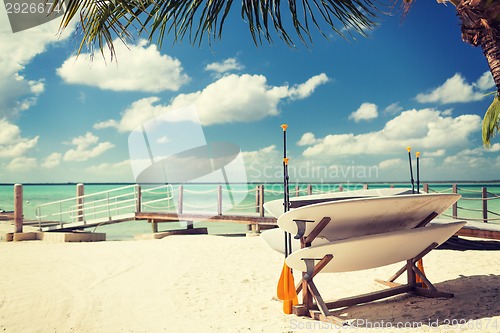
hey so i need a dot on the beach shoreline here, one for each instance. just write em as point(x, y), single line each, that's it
point(210, 283)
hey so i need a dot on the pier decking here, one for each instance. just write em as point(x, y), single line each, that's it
point(6, 216)
point(155, 218)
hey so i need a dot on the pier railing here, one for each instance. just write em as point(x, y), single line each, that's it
point(217, 199)
point(246, 200)
point(473, 206)
point(101, 207)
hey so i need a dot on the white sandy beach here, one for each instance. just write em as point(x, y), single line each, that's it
point(218, 284)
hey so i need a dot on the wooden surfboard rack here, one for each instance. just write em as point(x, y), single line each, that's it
point(315, 307)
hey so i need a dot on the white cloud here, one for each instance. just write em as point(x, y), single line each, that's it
point(122, 167)
point(366, 111)
point(86, 146)
point(423, 129)
point(305, 89)
point(52, 161)
point(139, 67)
point(485, 82)
point(447, 112)
point(494, 148)
point(232, 98)
point(18, 92)
point(473, 152)
point(263, 164)
point(254, 155)
point(307, 139)
point(112, 122)
point(230, 64)
point(21, 164)
point(462, 165)
point(437, 153)
point(237, 98)
point(393, 109)
point(138, 112)
point(12, 144)
point(465, 161)
point(480, 151)
point(163, 139)
point(390, 163)
point(456, 90)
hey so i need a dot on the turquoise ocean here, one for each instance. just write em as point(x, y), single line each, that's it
point(236, 199)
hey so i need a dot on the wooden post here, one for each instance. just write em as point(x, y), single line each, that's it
point(426, 188)
point(261, 200)
point(309, 189)
point(181, 199)
point(138, 198)
point(79, 202)
point(219, 199)
point(455, 205)
point(257, 196)
point(154, 225)
point(485, 205)
point(18, 208)
point(307, 298)
point(412, 279)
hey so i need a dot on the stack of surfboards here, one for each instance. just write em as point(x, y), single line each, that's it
point(368, 228)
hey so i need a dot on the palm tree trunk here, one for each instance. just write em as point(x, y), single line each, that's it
point(481, 27)
point(491, 50)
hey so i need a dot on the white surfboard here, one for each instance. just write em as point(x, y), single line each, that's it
point(275, 238)
point(366, 216)
point(275, 207)
point(374, 250)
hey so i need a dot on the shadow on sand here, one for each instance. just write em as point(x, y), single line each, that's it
point(476, 297)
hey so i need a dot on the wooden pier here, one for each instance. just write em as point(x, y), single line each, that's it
point(255, 223)
point(159, 205)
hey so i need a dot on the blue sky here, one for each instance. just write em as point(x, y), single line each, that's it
point(352, 106)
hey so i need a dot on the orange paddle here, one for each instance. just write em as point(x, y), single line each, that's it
point(286, 284)
point(420, 265)
point(290, 298)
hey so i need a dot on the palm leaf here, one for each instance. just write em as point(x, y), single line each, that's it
point(102, 20)
point(491, 121)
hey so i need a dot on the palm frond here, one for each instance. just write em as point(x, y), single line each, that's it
point(101, 21)
point(491, 121)
point(197, 20)
point(340, 16)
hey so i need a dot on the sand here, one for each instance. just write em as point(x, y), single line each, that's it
point(207, 283)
